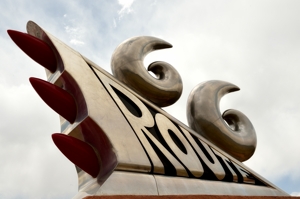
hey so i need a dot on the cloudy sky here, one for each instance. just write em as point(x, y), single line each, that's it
point(252, 44)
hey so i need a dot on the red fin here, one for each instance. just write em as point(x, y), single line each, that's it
point(35, 48)
point(78, 152)
point(60, 100)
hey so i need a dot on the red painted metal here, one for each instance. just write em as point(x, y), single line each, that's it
point(35, 48)
point(78, 152)
point(95, 136)
point(60, 100)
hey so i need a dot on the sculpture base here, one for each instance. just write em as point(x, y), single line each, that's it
point(187, 197)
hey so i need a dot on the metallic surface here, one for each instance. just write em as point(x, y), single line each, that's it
point(128, 183)
point(215, 164)
point(100, 108)
point(232, 131)
point(127, 66)
point(138, 143)
point(188, 156)
point(139, 126)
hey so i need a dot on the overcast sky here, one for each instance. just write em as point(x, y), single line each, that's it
point(252, 44)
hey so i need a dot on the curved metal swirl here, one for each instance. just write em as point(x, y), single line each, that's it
point(127, 66)
point(232, 131)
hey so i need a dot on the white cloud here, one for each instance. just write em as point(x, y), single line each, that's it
point(76, 42)
point(254, 45)
point(126, 7)
point(295, 194)
point(115, 24)
point(26, 127)
point(75, 34)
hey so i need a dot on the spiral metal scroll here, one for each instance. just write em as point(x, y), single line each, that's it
point(232, 131)
point(127, 66)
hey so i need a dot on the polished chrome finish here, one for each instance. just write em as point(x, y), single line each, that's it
point(127, 66)
point(139, 125)
point(232, 131)
point(96, 125)
point(214, 165)
point(187, 155)
point(226, 161)
point(182, 186)
point(140, 148)
point(129, 183)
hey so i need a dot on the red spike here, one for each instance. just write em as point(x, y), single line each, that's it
point(60, 100)
point(35, 48)
point(78, 152)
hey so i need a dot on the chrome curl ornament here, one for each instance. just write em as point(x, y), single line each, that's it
point(127, 66)
point(232, 131)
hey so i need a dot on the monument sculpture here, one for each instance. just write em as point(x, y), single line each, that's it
point(123, 143)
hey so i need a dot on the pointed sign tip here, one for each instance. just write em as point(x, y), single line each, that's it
point(35, 48)
point(78, 152)
point(60, 100)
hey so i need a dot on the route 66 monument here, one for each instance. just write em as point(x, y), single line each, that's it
point(120, 140)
